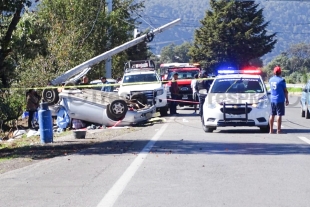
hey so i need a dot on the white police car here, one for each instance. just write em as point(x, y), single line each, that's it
point(236, 98)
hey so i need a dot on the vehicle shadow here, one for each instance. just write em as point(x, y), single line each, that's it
point(90, 146)
point(195, 147)
point(134, 147)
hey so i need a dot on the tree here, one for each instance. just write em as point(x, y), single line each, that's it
point(232, 32)
point(282, 61)
point(139, 51)
point(299, 55)
point(175, 53)
point(74, 34)
point(10, 12)
point(295, 63)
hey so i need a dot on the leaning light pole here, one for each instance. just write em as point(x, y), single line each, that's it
point(50, 95)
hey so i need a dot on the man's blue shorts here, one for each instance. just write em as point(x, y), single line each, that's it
point(277, 109)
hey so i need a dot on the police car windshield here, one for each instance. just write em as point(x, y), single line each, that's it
point(183, 74)
point(141, 78)
point(237, 85)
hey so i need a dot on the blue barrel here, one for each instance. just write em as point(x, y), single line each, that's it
point(45, 124)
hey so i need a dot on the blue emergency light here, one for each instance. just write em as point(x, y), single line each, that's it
point(244, 71)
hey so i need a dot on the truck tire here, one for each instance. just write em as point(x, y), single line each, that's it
point(163, 111)
point(112, 116)
point(118, 109)
point(140, 98)
point(50, 95)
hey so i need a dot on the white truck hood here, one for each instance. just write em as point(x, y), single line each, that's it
point(139, 87)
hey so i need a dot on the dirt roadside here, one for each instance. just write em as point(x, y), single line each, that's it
point(63, 144)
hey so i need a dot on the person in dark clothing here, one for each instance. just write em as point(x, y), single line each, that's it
point(174, 89)
point(33, 100)
point(201, 84)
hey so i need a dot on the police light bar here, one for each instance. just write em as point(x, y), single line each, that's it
point(224, 72)
point(252, 71)
point(227, 72)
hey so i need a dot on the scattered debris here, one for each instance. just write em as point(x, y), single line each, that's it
point(78, 124)
point(18, 133)
point(33, 133)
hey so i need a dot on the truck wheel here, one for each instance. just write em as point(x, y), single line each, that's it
point(307, 113)
point(140, 98)
point(163, 111)
point(118, 108)
point(112, 116)
point(51, 96)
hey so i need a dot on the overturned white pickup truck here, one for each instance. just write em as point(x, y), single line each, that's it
point(104, 108)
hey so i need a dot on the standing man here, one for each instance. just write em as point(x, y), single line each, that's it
point(195, 96)
point(279, 95)
point(32, 105)
point(174, 89)
point(201, 84)
point(105, 87)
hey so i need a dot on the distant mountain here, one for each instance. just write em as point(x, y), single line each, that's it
point(289, 19)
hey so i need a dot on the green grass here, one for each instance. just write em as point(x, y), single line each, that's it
point(290, 90)
point(3, 159)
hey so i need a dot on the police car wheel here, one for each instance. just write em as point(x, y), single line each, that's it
point(265, 129)
point(303, 113)
point(205, 128)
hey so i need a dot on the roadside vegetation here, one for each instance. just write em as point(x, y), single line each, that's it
point(39, 43)
point(294, 90)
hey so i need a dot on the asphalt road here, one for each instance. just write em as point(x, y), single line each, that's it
point(175, 164)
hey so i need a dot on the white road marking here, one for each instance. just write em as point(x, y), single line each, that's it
point(110, 198)
point(304, 139)
point(185, 120)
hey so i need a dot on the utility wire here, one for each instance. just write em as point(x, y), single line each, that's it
point(145, 21)
point(94, 23)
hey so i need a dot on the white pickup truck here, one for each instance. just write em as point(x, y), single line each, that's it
point(141, 82)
